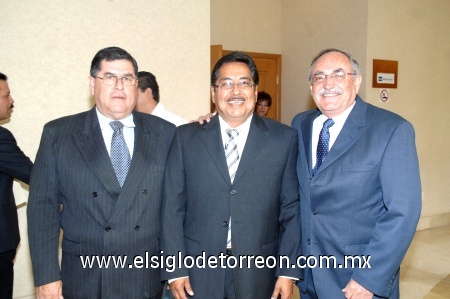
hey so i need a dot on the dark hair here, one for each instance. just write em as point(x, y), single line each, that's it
point(264, 96)
point(353, 62)
point(3, 77)
point(235, 57)
point(148, 80)
point(111, 54)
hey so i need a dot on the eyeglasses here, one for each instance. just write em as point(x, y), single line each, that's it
point(337, 76)
point(112, 80)
point(229, 85)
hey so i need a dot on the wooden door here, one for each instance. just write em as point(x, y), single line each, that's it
point(269, 71)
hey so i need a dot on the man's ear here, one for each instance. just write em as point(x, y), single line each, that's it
point(357, 82)
point(91, 84)
point(213, 92)
point(149, 93)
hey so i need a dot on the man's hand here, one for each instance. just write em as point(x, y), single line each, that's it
point(51, 290)
point(204, 118)
point(354, 290)
point(283, 287)
point(180, 287)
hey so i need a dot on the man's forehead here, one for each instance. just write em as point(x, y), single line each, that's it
point(333, 60)
point(4, 86)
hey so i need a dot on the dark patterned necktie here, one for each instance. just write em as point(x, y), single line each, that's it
point(323, 144)
point(120, 155)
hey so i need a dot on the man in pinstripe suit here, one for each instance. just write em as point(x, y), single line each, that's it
point(74, 187)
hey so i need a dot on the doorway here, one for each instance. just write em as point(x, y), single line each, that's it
point(269, 71)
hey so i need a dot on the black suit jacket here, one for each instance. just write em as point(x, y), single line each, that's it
point(73, 186)
point(13, 165)
point(263, 203)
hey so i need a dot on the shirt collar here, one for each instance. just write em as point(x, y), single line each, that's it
point(104, 121)
point(341, 118)
point(244, 127)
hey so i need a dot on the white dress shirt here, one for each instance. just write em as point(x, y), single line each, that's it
point(107, 131)
point(334, 130)
point(238, 140)
point(165, 114)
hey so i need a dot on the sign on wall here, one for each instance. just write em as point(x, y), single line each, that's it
point(385, 73)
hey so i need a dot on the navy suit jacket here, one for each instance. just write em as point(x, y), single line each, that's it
point(364, 200)
point(73, 186)
point(13, 165)
point(263, 203)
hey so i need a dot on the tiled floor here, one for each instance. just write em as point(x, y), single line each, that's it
point(425, 271)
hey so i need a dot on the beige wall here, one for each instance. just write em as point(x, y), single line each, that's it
point(46, 49)
point(415, 33)
point(251, 25)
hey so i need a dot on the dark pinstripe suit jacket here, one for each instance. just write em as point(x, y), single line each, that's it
point(13, 164)
point(73, 186)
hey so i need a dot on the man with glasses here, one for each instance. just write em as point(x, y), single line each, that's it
point(359, 186)
point(231, 194)
point(98, 177)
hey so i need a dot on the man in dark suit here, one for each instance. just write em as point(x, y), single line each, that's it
point(242, 205)
point(359, 185)
point(13, 165)
point(98, 176)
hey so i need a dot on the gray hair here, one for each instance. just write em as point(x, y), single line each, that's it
point(353, 62)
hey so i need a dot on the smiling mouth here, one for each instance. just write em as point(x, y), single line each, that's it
point(236, 101)
point(328, 93)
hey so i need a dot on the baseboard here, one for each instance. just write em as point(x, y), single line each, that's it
point(433, 221)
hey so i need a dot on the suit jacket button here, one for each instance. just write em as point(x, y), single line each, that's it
point(225, 224)
point(233, 192)
point(314, 212)
point(145, 191)
point(108, 229)
point(137, 227)
point(308, 242)
point(94, 194)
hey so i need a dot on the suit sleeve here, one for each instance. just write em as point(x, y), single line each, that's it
point(290, 242)
point(400, 184)
point(13, 161)
point(43, 213)
point(173, 211)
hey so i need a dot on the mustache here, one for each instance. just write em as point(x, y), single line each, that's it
point(330, 91)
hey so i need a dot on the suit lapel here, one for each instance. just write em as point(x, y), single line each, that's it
point(349, 134)
point(255, 141)
point(306, 126)
point(92, 147)
point(212, 139)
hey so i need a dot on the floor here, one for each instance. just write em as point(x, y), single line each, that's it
point(425, 271)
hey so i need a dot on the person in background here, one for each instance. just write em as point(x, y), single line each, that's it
point(217, 199)
point(99, 176)
point(263, 103)
point(148, 99)
point(359, 185)
point(13, 165)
